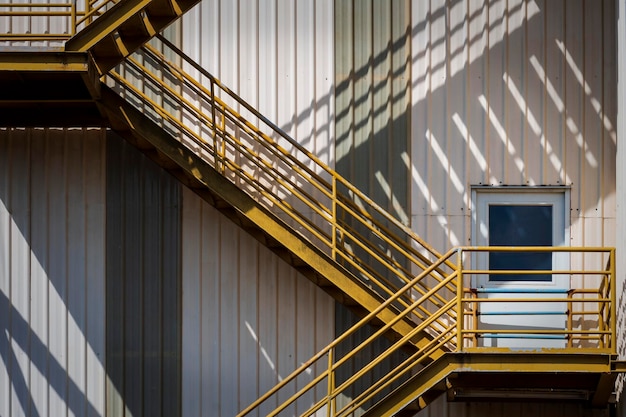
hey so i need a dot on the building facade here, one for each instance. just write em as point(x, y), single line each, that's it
point(126, 294)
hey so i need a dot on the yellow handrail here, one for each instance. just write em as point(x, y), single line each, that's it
point(389, 258)
point(70, 17)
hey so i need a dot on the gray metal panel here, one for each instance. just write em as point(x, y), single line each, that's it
point(512, 93)
point(51, 278)
point(372, 73)
point(249, 318)
point(143, 284)
point(621, 195)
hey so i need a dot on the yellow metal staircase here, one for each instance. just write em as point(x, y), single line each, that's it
point(422, 301)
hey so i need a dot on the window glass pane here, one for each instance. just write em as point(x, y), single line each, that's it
point(520, 225)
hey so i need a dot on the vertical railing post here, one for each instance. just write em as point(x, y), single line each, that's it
point(330, 408)
point(570, 319)
point(613, 307)
point(334, 219)
point(459, 301)
point(213, 124)
point(73, 29)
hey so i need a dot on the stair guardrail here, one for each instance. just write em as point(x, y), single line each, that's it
point(66, 18)
point(279, 173)
point(586, 330)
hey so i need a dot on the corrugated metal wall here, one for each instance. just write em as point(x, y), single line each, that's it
point(143, 285)
point(372, 93)
point(277, 55)
point(52, 258)
point(372, 70)
point(249, 319)
point(621, 202)
point(517, 92)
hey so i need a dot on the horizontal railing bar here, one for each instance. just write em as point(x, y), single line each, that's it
point(531, 272)
point(521, 336)
point(520, 313)
point(520, 290)
point(535, 300)
point(534, 249)
point(535, 331)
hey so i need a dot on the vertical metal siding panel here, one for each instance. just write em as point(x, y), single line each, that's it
point(286, 330)
point(76, 285)
point(474, 128)
point(267, 335)
point(20, 269)
point(286, 110)
point(492, 100)
point(304, 336)
point(229, 316)
point(229, 45)
point(210, 252)
point(398, 173)
point(94, 179)
point(574, 159)
point(58, 279)
point(5, 271)
point(512, 83)
point(143, 332)
point(608, 112)
point(435, 132)
point(591, 129)
point(361, 155)
point(344, 85)
point(192, 394)
point(267, 63)
point(420, 47)
point(538, 169)
point(115, 264)
point(171, 320)
point(457, 197)
point(323, 105)
point(39, 321)
point(248, 319)
point(151, 327)
point(133, 279)
point(549, 70)
point(381, 100)
point(303, 73)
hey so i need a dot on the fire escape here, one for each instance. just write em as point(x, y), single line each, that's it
point(113, 69)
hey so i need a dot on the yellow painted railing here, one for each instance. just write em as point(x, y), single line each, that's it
point(339, 390)
point(279, 173)
point(25, 21)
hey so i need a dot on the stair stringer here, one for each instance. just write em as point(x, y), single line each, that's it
point(124, 28)
point(427, 384)
point(266, 227)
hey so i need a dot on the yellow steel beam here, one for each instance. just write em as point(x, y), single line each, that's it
point(44, 61)
point(105, 25)
point(412, 393)
point(618, 366)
